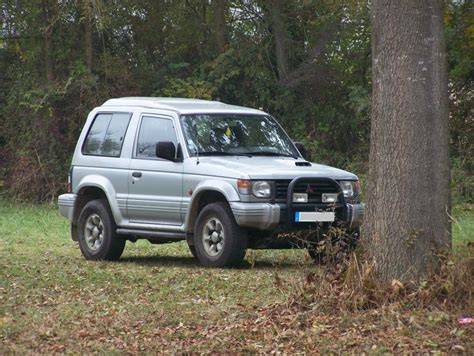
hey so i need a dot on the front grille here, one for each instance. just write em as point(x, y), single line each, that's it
point(281, 188)
point(313, 189)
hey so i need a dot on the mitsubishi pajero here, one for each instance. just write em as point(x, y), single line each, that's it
point(224, 178)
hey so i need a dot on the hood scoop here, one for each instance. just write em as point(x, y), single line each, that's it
point(303, 164)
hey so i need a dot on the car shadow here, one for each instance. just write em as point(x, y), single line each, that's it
point(191, 262)
point(160, 260)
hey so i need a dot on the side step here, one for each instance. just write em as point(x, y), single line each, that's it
point(155, 236)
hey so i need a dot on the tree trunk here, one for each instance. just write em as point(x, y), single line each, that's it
point(280, 38)
point(408, 200)
point(220, 27)
point(48, 40)
point(87, 16)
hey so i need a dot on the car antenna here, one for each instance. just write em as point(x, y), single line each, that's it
point(197, 155)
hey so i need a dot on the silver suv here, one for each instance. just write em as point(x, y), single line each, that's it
point(224, 178)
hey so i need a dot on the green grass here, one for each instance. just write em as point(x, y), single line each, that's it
point(46, 285)
point(156, 298)
point(463, 226)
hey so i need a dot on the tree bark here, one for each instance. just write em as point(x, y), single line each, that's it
point(280, 38)
point(87, 18)
point(408, 199)
point(48, 39)
point(221, 27)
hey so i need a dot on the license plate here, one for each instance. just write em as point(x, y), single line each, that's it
point(314, 216)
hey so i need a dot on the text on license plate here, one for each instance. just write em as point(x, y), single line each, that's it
point(314, 216)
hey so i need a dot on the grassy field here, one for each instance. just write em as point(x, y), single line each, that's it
point(158, 299)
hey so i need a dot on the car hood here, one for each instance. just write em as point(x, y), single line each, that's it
point(263, 168)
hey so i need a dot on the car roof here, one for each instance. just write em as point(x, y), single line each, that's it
point(181, 105)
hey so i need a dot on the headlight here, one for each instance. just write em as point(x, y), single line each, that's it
point(350, 188)
point(259, 189)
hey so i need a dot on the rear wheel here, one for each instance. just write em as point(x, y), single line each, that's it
point(218, 240)
point(96, 232)
point(73, 232)
point(192, 249)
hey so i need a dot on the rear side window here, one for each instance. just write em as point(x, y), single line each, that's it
point(106, 135)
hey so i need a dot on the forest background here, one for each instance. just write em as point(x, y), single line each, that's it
point(308, 63)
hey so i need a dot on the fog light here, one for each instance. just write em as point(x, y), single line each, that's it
point(300, 198)
point(329, 198)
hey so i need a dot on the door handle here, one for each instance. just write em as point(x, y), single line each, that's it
point(136, 174)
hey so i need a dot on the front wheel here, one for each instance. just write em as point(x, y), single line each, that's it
point(96, 233)
point(218, 240)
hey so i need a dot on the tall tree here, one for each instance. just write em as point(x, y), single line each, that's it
point(87, 18)
point(407, 221)
point(220, 9)
point(280, 37)
point(48, 25)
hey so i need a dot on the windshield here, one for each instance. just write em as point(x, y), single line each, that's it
point(249, 135)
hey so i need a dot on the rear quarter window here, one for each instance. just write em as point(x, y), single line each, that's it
point(106, 135)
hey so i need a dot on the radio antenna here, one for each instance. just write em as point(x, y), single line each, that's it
point(197, 155)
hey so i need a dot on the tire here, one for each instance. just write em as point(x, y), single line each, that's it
point(218, 240)
point(96, 233)
point(192, 249)
point(73, 232)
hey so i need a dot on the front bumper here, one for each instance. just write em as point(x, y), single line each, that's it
point(66, 205)
point(266, 216)
point(261, 216)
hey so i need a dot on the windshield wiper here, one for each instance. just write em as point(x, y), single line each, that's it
point(271, 153)
point(222, 153)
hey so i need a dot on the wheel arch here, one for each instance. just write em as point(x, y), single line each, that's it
point(204, 195)
point(85, 195)
point(93, 188)
point(97, 187)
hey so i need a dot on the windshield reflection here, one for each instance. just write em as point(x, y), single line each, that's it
point(247, 135)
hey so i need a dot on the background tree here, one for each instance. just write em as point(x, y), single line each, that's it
point(280, 37)
point(407, 223)
point(87, 18)
point(220, 19)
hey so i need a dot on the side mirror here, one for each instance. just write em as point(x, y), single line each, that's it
point(301, 149)
point(166, 150)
